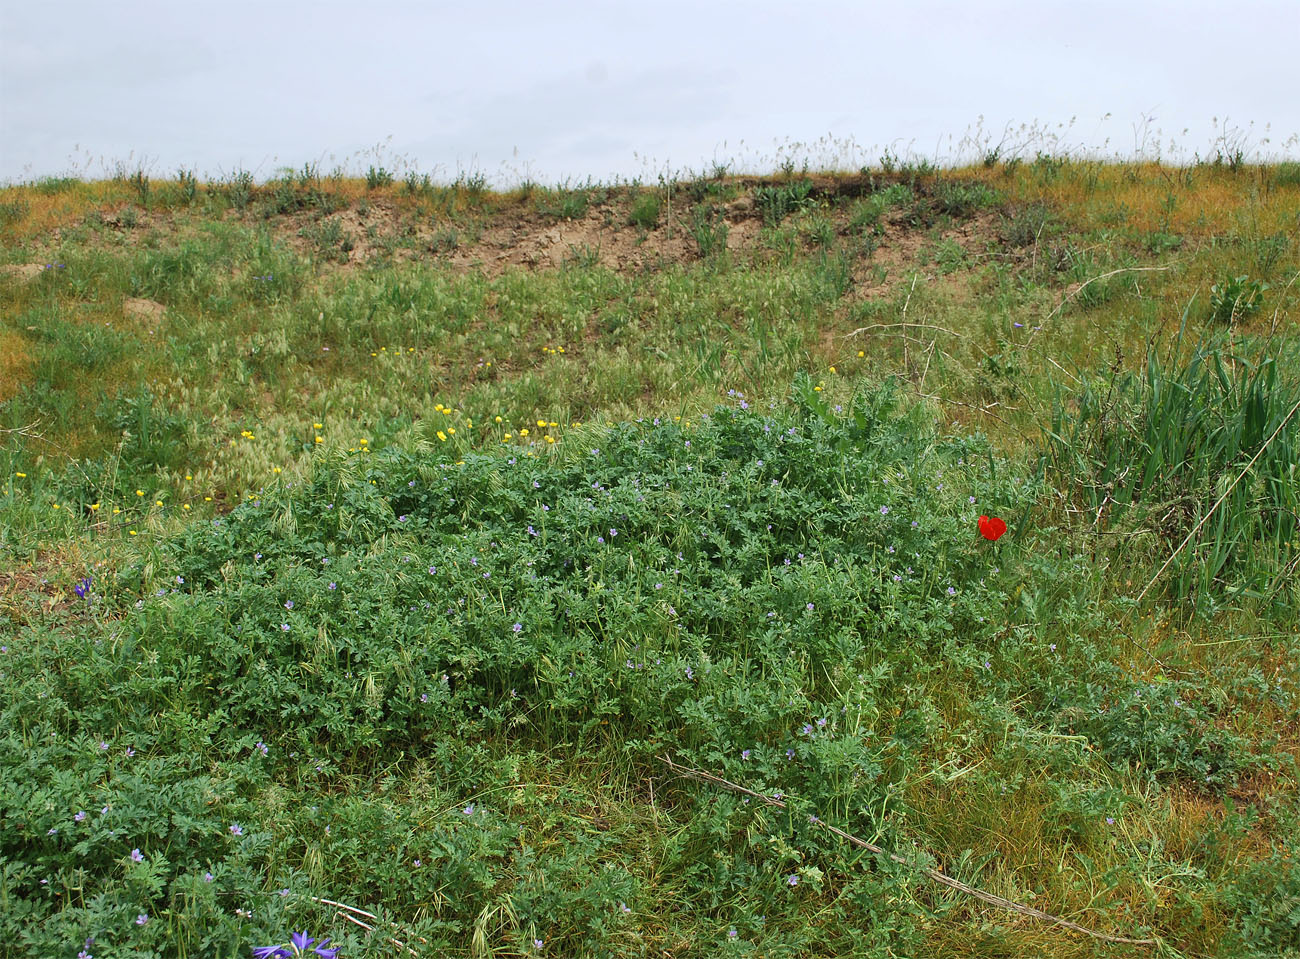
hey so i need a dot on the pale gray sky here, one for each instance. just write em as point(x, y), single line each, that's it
point(571, 90)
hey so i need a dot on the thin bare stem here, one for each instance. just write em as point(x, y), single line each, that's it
point(1087, 283)
point(890, 326)
point(342, 914)
point(932, 874)
point(1219, 502)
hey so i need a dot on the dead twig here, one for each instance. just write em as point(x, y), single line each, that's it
point(890, 326)
point(28, 430)
point(345, 912)
point(932, 874)
point(1219, 502)
point(1087, 283)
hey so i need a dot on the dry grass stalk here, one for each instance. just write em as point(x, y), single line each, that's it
point(932, 874)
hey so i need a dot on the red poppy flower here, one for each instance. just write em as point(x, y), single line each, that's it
point(992, 528)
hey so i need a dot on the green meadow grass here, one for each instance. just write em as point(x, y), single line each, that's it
point(341, 559)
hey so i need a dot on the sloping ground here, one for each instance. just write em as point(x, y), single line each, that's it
point(204, 567)
point(514, 232)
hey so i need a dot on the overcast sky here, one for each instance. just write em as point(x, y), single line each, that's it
point(568, 90)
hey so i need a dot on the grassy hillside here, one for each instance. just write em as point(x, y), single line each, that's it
point(375, 542)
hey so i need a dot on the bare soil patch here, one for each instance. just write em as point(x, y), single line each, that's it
point(23, 272)
point(148, 310)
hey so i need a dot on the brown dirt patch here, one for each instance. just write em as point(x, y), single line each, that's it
point(148, 310)
point(23, 272)
point(511, 233)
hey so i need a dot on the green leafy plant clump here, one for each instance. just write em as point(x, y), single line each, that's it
point(749, 592)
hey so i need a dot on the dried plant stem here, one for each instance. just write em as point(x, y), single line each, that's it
point(1219, 502)
point(1087, 283)
point(932, 874)
point(345, 912)
point(891, 326)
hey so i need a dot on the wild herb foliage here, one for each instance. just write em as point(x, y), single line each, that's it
point(704, 590)
point(795, 596)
